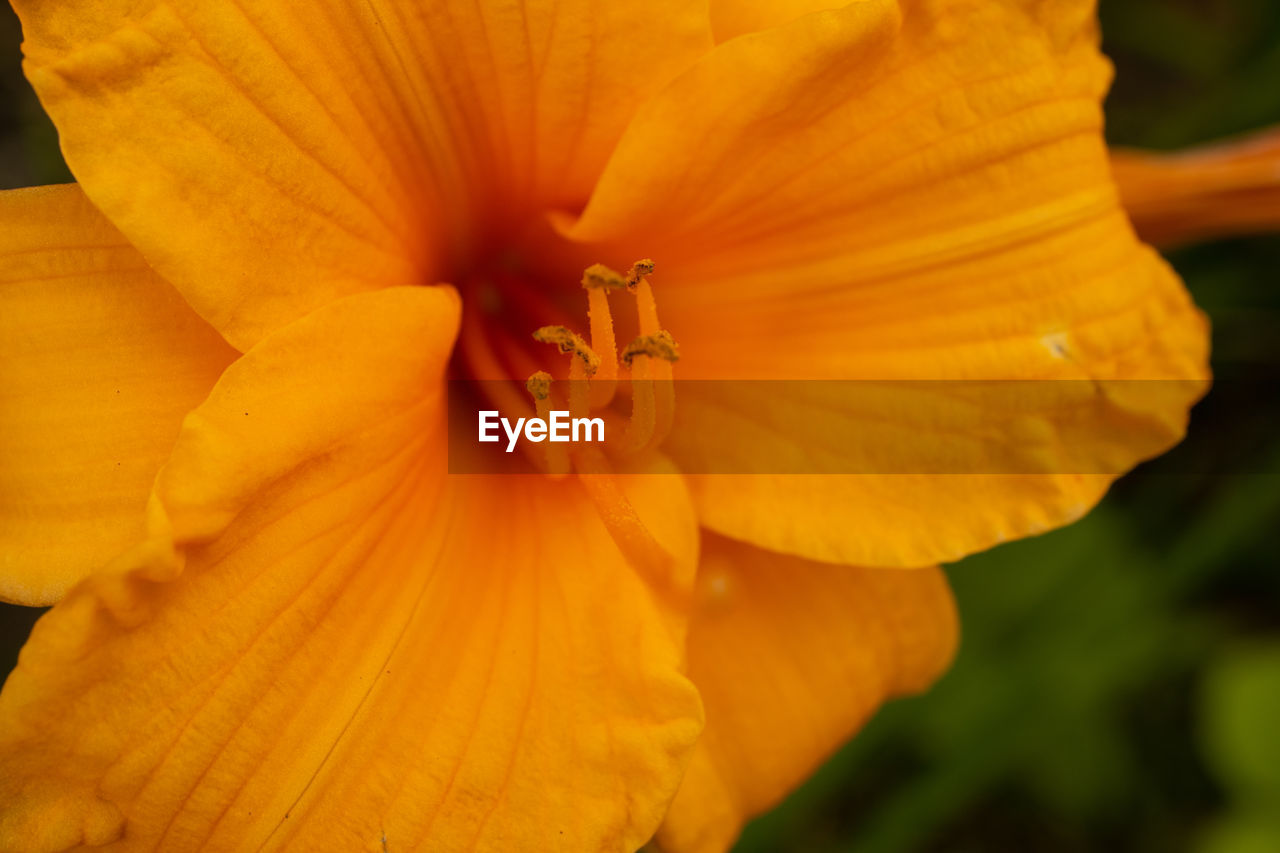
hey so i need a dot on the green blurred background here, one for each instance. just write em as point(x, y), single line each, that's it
point(1118, 687)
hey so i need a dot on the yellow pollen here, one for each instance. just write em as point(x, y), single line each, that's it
point(539, 385)
point(600, 277)
point(639, 270)
point(569, 342)
point(658, 345)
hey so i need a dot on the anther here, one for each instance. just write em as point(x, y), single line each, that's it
point(569, 342)
point(593, 373)
point(639, 270)
point(657, 345)
point(600, 277)
point(539, 385)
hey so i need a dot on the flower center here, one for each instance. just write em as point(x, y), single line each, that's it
point(630, 388)
point(593, 377)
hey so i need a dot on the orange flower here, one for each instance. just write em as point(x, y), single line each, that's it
point(282, 624)
point(1220, 190)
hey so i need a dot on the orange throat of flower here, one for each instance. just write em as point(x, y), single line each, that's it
point(593, 381)
point(629, 389)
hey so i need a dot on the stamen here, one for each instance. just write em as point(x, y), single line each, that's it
point(555, 456)
point(646, 308)
point(579, 390)
point(593, 375)
point(627, 529)
point(569, 342)
point(665, 391)
point(593, 372)
point(653, 400)
point(640, 428)
point(598, 281)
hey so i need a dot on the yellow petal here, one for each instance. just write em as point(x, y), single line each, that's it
point(791, 658)
point(1203, 193)
point(900, 194)
point(101, 361)
point(363, 654)
point(269, 157)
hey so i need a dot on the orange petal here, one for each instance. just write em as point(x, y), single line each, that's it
point(791, 658)
point(270, 157)
point(1203, 193)
point(730, 18)
point(362, 654)
point(899, 473)
point(101, 361)
point(875, 193)
point(1060, 18)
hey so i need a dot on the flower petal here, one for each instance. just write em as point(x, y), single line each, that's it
point(364, 653)
point(1203, 193)
point(791, 658)
point(270, 157)
point(101, 361)
point(730, 18)
point(924, 193)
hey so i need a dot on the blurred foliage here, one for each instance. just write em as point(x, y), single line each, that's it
point(1240, 696)
point(1118, 687)
point(1190, 70)
point(28, 143)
